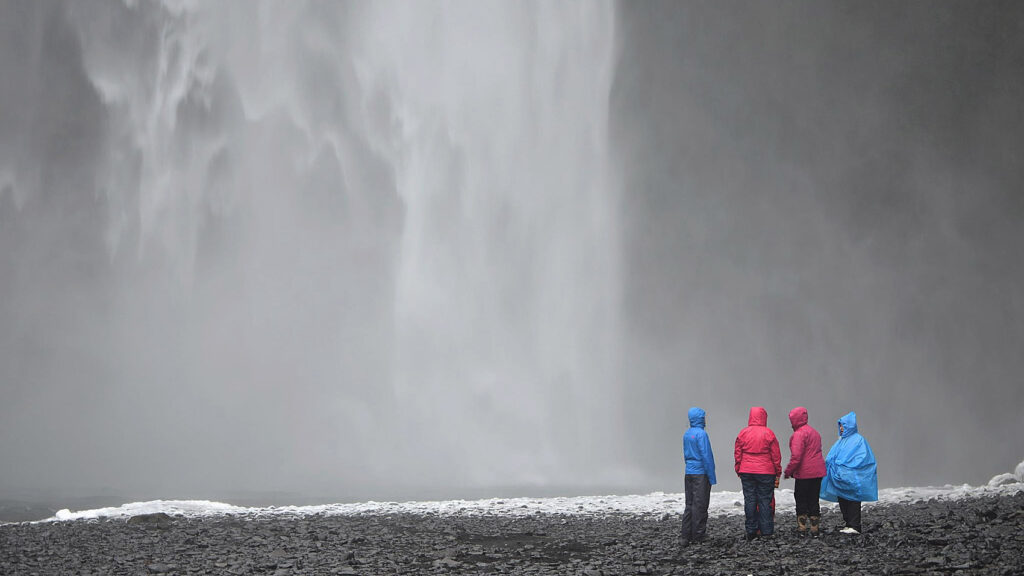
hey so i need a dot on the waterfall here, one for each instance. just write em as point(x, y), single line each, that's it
point(373, 244)
point(506, 288)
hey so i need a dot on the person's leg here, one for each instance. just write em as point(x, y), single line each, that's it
point(801, 495)
point(749, 484)
point(851, 514)
point(844, 507)
point(765, 491)
point(813, 502)
point(855, 516)
point(700, 510)
point(687, 530)
point(814, 506)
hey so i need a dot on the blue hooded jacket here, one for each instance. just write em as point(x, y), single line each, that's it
point(852, 473)
point(697, 447)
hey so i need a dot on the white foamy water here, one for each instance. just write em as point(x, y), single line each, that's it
point(722, 504)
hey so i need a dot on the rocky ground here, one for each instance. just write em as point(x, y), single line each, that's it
point(975, 536)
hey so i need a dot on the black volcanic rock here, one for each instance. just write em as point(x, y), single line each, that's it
point(972, 536)
point(155, 519)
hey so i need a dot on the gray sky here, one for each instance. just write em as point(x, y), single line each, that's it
point(400, 251)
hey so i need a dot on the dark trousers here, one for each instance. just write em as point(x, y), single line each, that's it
point(758, 490)
point(851, 513)
point(806, 494)
point(695, 516)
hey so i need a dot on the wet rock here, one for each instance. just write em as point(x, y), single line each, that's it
point(974, 536)
point(446, 563)
point(155, 519)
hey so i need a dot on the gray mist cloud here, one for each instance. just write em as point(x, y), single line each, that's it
point(326, 249)
point(405, 250)
point(822, 208)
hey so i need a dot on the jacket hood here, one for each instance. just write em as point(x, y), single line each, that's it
point(758, 417)
point(696, 417)
point(849, 424)
point(798, 417)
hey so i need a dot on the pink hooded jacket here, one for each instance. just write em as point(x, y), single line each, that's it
point(805, 459)
point(757, 449)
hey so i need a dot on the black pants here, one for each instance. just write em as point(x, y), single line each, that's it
point(758, 490)
point(806, 494)
point(695, 517)
point(851, 513)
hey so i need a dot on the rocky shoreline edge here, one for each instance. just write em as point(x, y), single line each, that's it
point(982, 535)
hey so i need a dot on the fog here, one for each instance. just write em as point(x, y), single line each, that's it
point(299, 251)
point(822, 207)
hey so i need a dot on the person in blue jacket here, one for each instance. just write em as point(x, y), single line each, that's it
point(851, 474)
point(700, 477)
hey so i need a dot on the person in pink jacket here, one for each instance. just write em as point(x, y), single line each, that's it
point(759, 465)
point(808, 467)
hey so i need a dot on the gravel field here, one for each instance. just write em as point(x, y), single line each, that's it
point(970, 536)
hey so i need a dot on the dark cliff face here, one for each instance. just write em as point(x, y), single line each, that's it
point(821, 207)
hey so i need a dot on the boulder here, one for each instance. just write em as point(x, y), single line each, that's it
point(157, 518)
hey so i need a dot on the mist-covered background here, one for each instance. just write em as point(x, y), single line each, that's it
point(822, 206)
point(327, 250)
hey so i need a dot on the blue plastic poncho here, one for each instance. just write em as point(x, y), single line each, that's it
point(852, 473)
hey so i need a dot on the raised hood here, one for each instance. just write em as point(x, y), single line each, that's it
point(758, 417)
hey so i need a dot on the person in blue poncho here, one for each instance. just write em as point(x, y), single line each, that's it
point(700, 476)
point(851, 474)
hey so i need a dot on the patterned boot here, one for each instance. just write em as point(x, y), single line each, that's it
point(801, 524)
point(815, 520)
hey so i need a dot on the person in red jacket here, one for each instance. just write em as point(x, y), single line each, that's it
point(759, 465)
point(808, 467)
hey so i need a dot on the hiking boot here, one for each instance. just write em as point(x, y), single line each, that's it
point(751, 536)
point(815, 520)
point(801, 524)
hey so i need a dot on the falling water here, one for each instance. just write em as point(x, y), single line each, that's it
point(374, 250)
point(339, 246)
point(507, 274)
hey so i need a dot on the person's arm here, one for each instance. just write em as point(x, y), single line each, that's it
point(776, 457)
point(737, 455)
point(708, 456)
point(796, 454)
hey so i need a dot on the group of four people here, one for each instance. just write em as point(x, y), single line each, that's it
point(848, 475)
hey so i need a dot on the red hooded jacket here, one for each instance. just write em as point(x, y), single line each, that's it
point(757, 449)
point(805, 459)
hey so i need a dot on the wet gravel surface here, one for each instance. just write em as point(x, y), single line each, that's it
point(974, 536)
